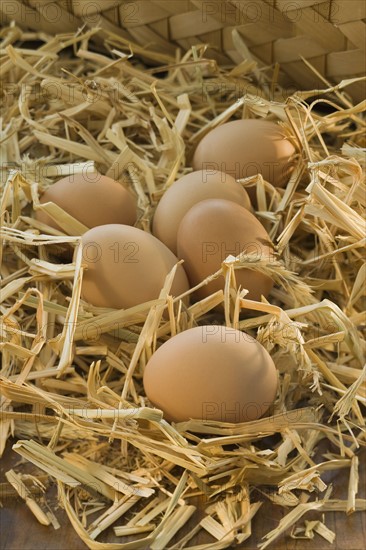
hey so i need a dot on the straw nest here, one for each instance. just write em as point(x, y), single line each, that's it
point(71, 373)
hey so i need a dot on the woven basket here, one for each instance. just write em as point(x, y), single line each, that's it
point(330, 34)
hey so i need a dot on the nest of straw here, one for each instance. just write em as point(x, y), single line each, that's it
point(71, 375)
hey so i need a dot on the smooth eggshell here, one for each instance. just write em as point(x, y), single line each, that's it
point(92, 199)
point(215, 228)
point(243, 148)
point(126, 266)
point(185, 193)
point(211, 373)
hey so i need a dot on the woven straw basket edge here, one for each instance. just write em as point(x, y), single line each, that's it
point(330, 34)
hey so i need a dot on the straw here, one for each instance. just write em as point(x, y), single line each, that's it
point(71, 376)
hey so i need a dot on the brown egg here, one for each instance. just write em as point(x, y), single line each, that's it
point(211, 373)
point(92, 199)
point(212, 230)
point(126, 266)
point(243, 148)
point(185, 193)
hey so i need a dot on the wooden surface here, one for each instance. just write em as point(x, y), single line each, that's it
point(19, 530)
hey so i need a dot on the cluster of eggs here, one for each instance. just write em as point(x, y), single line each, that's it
point(202, 218)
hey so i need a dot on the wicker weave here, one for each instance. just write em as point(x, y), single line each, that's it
point(330, 34)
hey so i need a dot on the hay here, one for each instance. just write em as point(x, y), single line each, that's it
point(71, 376)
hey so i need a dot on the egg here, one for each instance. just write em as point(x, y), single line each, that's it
point(92, 199)
point(215, 228)
point(211, 373)
point(185, 193)
point(125, 266)
point(243, 148)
